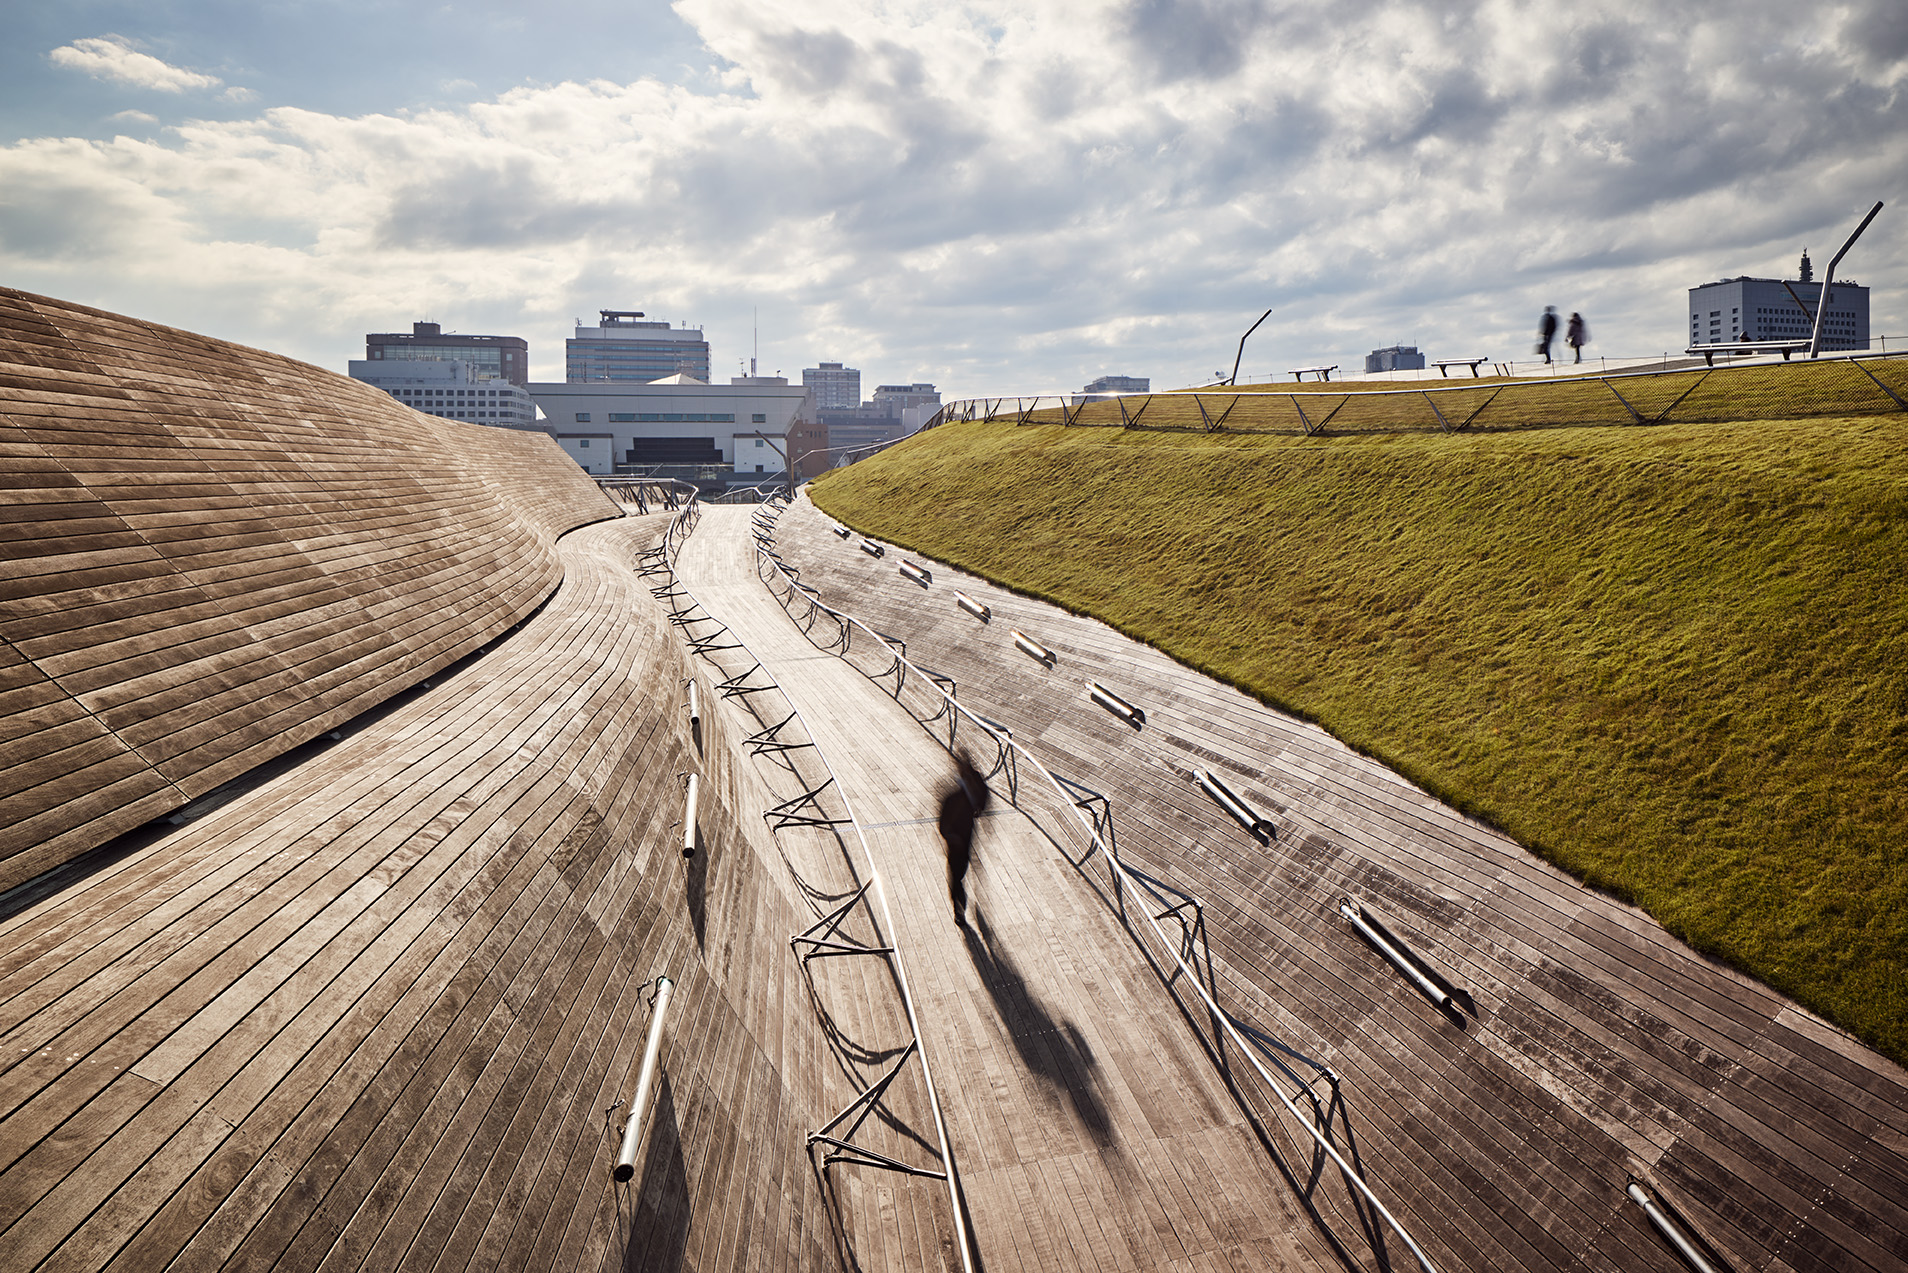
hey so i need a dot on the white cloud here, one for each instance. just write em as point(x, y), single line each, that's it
point(136, 117)
point(1001, 196)
point(113, 57)
point(238, 94)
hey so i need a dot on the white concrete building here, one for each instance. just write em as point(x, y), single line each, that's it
point(455, 390)
point(676, 427)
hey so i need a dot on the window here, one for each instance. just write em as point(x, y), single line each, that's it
point(582, 417)
point(758, 418)
point(758, 442)
point(583, 442)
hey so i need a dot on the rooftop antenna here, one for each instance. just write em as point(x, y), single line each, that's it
point(755, 323)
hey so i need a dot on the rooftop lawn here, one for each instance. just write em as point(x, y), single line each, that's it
point(1671, 660)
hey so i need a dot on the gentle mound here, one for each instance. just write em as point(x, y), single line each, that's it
point(1670, 660)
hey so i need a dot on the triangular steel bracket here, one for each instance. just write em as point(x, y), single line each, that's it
point(735, 684)
point(765, 740)
point(823, 937)
point(842, 1147)
point(784, 815)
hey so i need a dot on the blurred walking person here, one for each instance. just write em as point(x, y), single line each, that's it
point(1577, 334)
point(961, 804)
point(1546, 331)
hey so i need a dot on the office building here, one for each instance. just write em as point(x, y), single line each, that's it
point(1120, 384)
point(490, 357)
point(898, 398)
point(713, 435)
point(624, 347)
point(1778, 309)
point(1394, 358)
point(454, 390)
point(837, 388)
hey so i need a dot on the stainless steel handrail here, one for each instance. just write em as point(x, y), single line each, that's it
point(1122, 873)
point(881, 894)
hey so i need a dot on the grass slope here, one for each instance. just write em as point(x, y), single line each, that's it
point(1673, 661)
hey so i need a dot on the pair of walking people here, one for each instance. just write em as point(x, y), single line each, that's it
point(1576, 335)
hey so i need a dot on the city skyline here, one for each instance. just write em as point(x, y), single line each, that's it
point(994, 199)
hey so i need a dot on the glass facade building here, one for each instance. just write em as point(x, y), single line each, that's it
point(504, 358)
point(625, 347)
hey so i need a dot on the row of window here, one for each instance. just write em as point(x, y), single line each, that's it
point(654, 417)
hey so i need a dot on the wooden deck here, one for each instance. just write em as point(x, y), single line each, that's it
point(210, 555)
point(1589, 1046)
point(374, 1010)
point(1090, 1128)
point(371, 1014)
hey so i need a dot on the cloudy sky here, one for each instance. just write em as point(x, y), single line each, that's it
point(998, 197)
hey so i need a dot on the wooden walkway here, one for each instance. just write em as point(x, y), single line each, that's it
point(1588, 1046)
point(1089, 1127)
point(371, 1015)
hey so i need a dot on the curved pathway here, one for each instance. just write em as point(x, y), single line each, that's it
point(1089, 1129)
point(1585, 1047)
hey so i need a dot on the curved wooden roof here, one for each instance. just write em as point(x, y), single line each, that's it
point(210, 554)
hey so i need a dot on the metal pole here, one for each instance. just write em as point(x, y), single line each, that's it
point(689, 816)
point(639, 1108)
point(1828, 280)
point(1430, 988)
point(1667, 1227)
point(1234, 378)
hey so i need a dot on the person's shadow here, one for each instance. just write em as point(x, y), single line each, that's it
point(1053, 1049)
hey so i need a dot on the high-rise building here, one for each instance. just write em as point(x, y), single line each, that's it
point(1777, 309)
point(624, 347)
point(490, 357)
point(836, 388)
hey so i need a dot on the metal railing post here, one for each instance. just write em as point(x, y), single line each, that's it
point(1828, 280)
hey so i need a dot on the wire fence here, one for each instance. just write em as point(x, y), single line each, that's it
point(1850, 385)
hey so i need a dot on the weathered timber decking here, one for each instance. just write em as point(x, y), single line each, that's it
point(371, 1014)
point(1590, 1046)
point(1090, 1129)
point(210, 554)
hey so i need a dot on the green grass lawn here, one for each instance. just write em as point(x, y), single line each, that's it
point(1672, 660)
